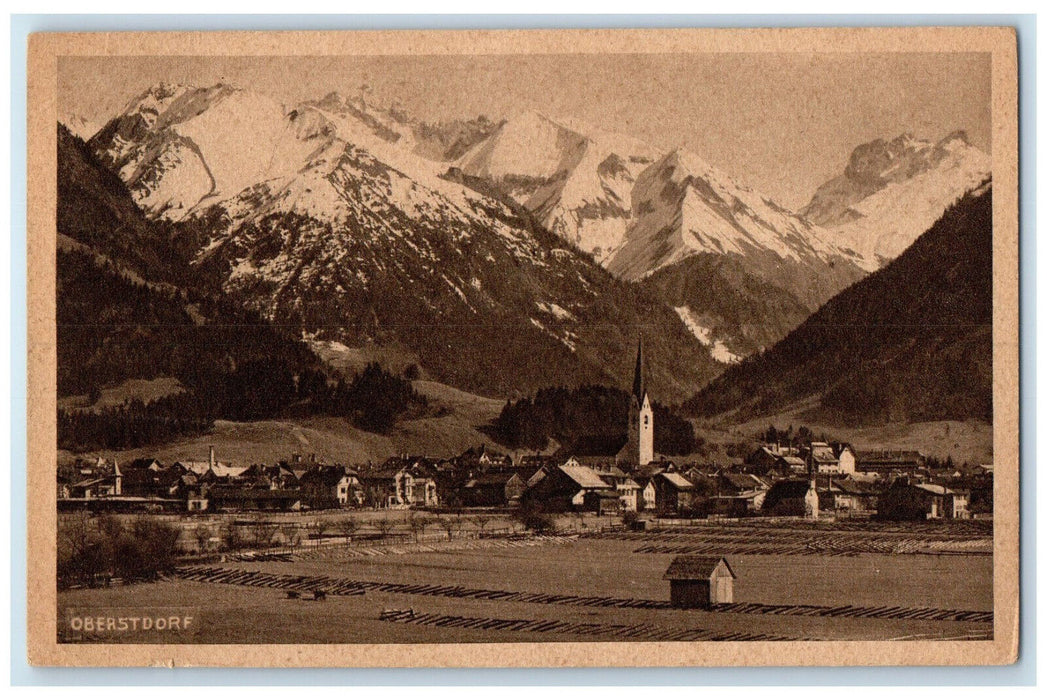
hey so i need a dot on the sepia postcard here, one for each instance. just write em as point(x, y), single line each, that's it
point(523, 348)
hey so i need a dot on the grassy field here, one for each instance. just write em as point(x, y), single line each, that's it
point(145, 390)
point(585, 567)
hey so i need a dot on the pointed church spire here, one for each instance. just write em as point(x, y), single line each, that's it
point(639, 385)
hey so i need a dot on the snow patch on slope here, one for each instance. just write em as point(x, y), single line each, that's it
point(717, 348)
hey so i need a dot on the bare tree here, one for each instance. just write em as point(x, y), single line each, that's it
point(385, 526)
point(450, 525)
point(481, 520)
point(264, 531)
point(318, 528)
point(348, 526)
point(231, 535)
point(202, 534)
point(291, 535)
point(418, 523)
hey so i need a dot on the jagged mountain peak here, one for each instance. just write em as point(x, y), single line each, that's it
point(181, 148)
point(683, 206)
point(575, 178)
point(890, 191)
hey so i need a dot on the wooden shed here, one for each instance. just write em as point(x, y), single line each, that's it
point(700, 582)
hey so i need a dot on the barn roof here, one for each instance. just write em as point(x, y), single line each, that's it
point(691, 567)
point(677, 480)
point(583, 476)
point(904, 457)
point(821, 452)
point(743, 482)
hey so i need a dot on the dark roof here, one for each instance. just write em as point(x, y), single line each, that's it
point(690, 567)
point(677, 481)
point(328, 476)
point(492, 479)
point(821, 452)
point(789, 489)
point(859, 488)
point(890, 456)
point(742, 482)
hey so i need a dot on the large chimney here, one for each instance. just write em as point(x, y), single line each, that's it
point(210, 457)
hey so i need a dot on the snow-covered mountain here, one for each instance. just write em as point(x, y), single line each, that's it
point(316, 218)
point(683, 206)
point(890, 192)
point(576, 179)
point(740, 270)
point(79, 125)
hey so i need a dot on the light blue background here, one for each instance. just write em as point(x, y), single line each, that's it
point(1024, 673)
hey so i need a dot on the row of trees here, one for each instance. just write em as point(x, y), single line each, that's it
point(94, 550)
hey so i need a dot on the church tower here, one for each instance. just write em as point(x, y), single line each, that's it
point(641, 415)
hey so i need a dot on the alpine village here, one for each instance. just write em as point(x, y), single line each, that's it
point(463, 390)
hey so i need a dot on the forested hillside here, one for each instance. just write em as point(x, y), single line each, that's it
point(911, 342)
point(121, 316)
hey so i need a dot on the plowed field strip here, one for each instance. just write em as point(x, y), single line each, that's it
point(647, 632)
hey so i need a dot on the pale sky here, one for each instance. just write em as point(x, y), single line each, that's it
point(782, 123)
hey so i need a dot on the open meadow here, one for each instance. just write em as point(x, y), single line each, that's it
point(600, 587)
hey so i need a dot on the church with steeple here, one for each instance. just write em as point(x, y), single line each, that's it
point(639, 448)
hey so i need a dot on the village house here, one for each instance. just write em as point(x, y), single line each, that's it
point(792, 497)
point(739, 495)
point(212, 471)
point(906, 500)
point(91, 480)
point(846, 457)
point(494, 489)
point(627, 488)
point(774, 459)
point(646, 496)
point(848, 494)
point(276, 476)
point(481, 459)
point(401, 482)
point(330, 486)
point(672, 493)
point(821, 459)
point(571, 487)
point(594, 450)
